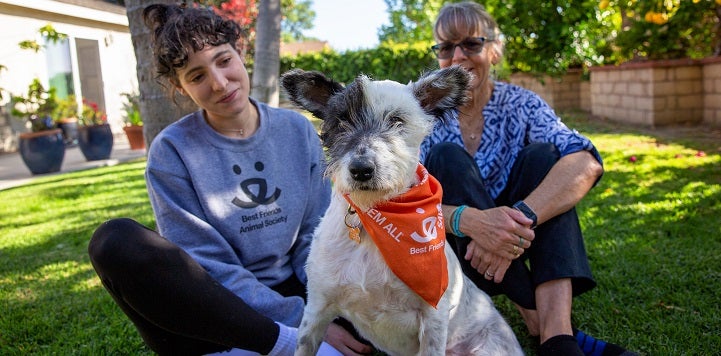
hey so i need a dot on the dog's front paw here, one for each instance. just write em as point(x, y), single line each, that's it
point(307, 344)
point(305, 348)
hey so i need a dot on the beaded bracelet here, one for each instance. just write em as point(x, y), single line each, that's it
point(456, 221)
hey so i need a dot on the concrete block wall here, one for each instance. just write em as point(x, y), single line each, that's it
point(611, 97)
point(560, 93)
point(657, 93)
point(585, 96)
point(712, 91)
point(653, 93)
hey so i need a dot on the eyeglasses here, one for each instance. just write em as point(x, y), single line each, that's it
point(469, 46)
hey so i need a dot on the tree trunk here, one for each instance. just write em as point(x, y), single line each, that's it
point(156, 106)
point(267, 53)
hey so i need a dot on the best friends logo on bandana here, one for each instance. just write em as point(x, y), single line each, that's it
point(411, 236)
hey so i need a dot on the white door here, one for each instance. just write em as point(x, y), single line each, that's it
point(91, 77)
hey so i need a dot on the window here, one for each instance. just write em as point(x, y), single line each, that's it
point(60, 72)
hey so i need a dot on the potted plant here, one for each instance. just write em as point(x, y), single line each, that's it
point(66, 118)
point(133, 122)
point(42, 149)
point(94, 135)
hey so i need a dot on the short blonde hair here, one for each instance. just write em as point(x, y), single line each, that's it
point(457, 21)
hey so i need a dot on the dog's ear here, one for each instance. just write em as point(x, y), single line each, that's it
point(442, 89)
point(309, 89)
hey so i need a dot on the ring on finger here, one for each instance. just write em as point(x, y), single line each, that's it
point(515, 250)
point(520, 241)
point(489, 274)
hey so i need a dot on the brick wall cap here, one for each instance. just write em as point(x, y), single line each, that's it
point(711, 60)
point(664, 63)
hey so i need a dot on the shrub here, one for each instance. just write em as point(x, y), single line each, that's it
point(664, 30)
point(399, 62)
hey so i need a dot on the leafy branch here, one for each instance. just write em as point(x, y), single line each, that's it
point(49, 33)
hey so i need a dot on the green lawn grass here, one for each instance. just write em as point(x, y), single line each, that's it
point(652, 230)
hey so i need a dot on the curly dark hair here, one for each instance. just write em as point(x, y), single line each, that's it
point(177, 30)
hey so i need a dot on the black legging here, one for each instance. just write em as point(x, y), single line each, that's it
point(177, 307)
point(557, 250)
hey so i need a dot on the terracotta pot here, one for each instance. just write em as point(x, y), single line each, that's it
point(43, 151)
point(135, 137)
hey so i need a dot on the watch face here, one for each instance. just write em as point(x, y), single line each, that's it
point(527, 211)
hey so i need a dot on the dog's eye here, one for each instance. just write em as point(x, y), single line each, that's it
point(395, 120)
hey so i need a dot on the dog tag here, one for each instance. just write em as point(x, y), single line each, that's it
point(354, 234)
point(353, 229)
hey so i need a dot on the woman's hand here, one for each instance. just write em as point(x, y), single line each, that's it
point(490, 265)
point(344, 342)
point(499, 236)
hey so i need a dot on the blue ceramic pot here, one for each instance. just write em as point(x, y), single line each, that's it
point(70, 131)
point(96, 142)
point(43, 151)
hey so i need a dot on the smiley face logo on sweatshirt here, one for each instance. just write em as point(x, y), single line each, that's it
point(255, 190)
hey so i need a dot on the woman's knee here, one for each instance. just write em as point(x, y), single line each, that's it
point(459, 175)
point(542, 154)
point(115, 240)
point(445, 155)
point(532, 165)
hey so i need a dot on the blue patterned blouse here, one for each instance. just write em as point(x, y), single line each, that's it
point(514, 117)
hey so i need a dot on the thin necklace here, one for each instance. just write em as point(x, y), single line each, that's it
point(473, 135)
point(238, 133)
point(469, 127)
point(474, 130)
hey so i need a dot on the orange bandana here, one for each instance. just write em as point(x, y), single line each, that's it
point(410, 234)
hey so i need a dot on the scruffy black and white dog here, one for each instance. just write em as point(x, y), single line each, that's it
point(373, 131)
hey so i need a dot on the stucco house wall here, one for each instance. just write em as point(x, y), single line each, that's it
point(92, 22)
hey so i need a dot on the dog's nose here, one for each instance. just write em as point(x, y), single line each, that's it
point(361, 170)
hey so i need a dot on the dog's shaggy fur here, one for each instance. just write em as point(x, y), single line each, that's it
point(373, 131)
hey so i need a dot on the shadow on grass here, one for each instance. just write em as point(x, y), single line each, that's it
point(652, 235)
point(52, 300)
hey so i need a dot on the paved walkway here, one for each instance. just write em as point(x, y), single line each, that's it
point(13, 171)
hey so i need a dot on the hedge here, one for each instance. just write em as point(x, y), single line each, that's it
point(398, 62)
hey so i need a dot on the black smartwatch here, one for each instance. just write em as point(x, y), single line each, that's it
point(527, 211)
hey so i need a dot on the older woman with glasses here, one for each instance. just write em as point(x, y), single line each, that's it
point(512, 174)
